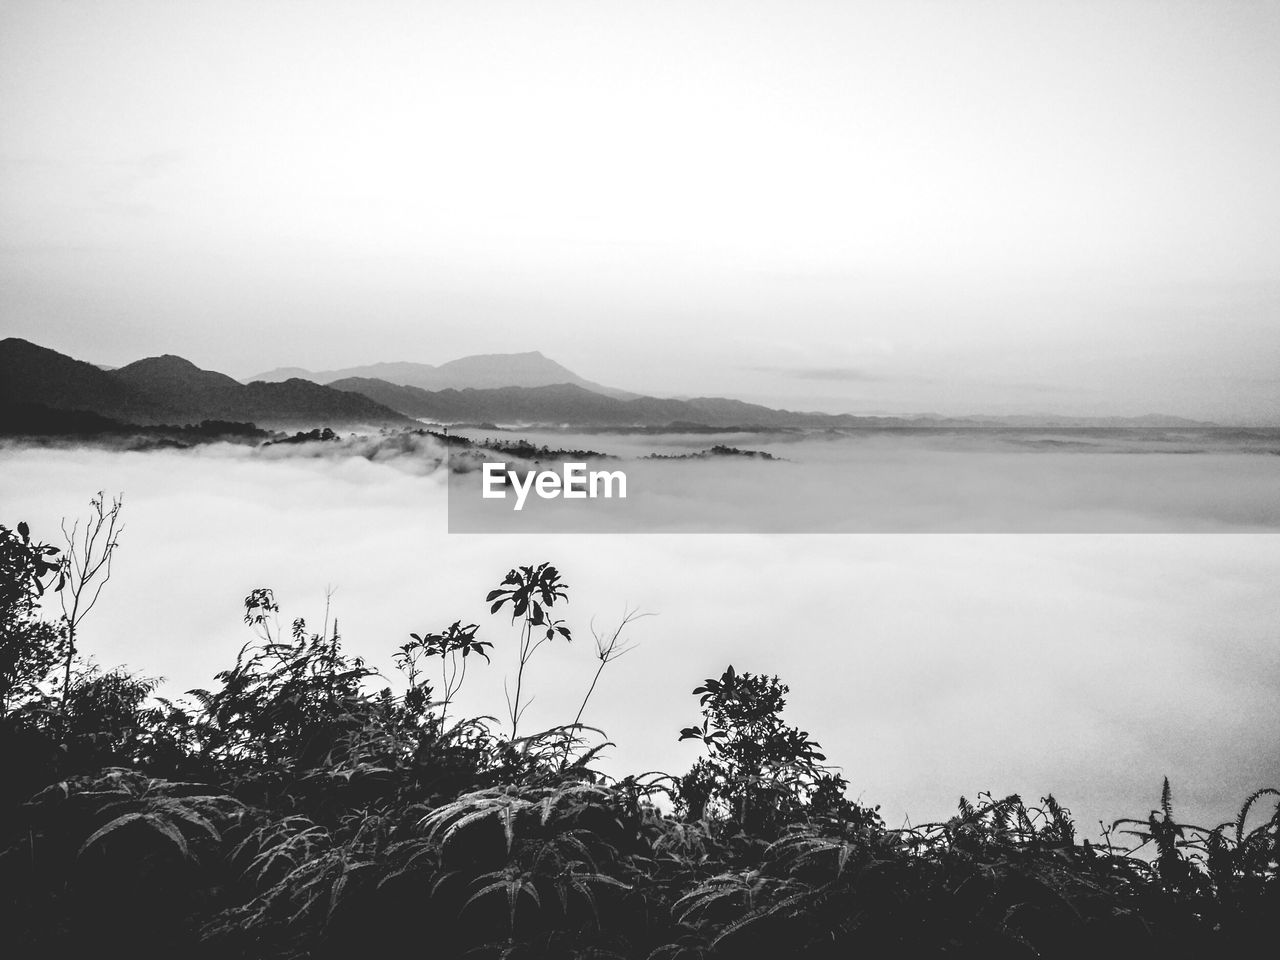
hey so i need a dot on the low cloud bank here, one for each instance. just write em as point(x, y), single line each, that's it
point(926, 665)
point(904, 483)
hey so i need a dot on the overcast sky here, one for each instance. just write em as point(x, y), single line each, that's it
point(962, 207)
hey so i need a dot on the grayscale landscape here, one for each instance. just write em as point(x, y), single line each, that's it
point(919, 365)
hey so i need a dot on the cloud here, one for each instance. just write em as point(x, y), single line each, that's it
point(974, 481)
point(927, 666)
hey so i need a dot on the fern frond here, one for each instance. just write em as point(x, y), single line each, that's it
point(1248, 806)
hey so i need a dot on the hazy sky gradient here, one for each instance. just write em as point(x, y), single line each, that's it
point(1061, 207)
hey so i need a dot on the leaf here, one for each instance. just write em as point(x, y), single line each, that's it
point(190, 816)
point(167, 828)
point(335, 894)
point(160, 824)
point(514, 889)
point(496, 885)
point(112, 827)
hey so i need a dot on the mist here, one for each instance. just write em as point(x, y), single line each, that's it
point(973, 481)
point(1086, 665)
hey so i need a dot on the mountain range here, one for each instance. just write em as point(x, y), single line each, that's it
point(567, 404)
point(170, 390)
point(483, 371)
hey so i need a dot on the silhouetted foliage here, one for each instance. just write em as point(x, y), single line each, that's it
point(318, 435)
point(86, 569)
point(760, 773)
point(29, 646)
point(301, 807)
point(719, 450)
point(532, 593)
point(526, 450)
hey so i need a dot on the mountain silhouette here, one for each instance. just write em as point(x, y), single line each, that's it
point(568, 404)
point(169, 389)
point(181, 388)
point(483, 371)
point(31, 374)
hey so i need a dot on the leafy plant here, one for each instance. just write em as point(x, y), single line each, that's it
point(30, 647)
point(296, 810)
point(453, 646)
point(283, 700)
point(759, 770)
point(532, 592)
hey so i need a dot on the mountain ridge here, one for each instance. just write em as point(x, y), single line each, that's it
point(567, 404)
point(168, 389)
point(531, 368)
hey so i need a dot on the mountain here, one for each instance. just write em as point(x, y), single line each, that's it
point(483, 371)
point(20, 419)
point(188, 393)
point(1146, 421)
point(31, 374)
point(181, 389)
point(284, 373)
point(559, 403)
point(567, 404)
point(169, 389)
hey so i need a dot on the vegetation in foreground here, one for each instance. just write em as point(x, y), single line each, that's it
point(300, 808)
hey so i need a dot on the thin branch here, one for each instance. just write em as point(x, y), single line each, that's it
point(87, 567)
point(606, 653)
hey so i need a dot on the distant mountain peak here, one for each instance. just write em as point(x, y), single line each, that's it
point(520, 355)
point(484, 371)
point(166, 361)
point(174, 373)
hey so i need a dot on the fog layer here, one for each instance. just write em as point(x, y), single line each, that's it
point(926, 665)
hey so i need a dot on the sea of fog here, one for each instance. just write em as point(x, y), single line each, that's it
point(928, 665)
point(906, 481)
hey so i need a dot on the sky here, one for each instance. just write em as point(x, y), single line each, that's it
point(902, 207)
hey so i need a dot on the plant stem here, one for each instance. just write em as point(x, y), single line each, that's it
point(525, 634)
